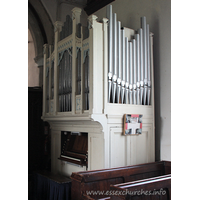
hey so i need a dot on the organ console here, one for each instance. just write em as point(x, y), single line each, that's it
point(74, 147)
point(93, 75)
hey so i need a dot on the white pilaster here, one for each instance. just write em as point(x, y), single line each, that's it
point(57, 28)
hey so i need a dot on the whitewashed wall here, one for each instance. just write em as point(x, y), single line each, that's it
point(158, 14)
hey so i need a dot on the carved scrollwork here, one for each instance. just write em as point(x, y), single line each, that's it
point(91, 20)
point(58, 26)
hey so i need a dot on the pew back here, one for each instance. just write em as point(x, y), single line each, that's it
point(95, 183)
point(146, 189)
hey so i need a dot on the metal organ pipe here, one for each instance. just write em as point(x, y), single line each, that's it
point(114, 56)
point(144, 46)
point(86, 68)
point(141, 54)
point(148, 66)
point(151, 64)
point(148, 54)
point(126, 59)
point(119, 49)
point(114, 44)
point(110, 46)
point(144, 26)
point(119, 67)
point(123, 55)
point(138, 67)
point(138, 58)
point(110, 50)
point(123, 64)
point(129, 63)
point(131, 72)
point(127, 68)
point(63, 81)
point(70, 83)
point(67, 81)
point(141, 66)
point(134, 71)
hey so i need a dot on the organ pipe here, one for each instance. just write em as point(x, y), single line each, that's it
point(144, 47)
point(110, 50)
point(119, 55)
point(144, 27)
point(134, 71)
point(141, 66)
point(148, 66)
point(114, 56)
point(119, 49)
point(131, 72)
point(114, 44)
point(127, 68)
point(129, 65)
point(123, 64)
point(138, 67)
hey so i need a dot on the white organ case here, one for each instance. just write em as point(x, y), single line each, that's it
point(103, 121)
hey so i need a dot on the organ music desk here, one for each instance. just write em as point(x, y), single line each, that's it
point(86, 93)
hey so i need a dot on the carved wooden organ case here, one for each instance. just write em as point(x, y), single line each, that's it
point(92, 76)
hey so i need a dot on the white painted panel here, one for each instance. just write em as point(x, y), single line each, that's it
point(141, 151)
point(55, 151)
point(142, 148)
point(67, 168)
point(118, 147)
point(96, 153)
point(133, 156)
point(128, 147)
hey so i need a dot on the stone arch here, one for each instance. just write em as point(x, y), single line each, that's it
point(41, 28)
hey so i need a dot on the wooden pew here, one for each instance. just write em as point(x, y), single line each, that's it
point(158, 188)
point(93, 184)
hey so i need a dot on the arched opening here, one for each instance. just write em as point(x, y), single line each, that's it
point(41, 30)
point(33, 70)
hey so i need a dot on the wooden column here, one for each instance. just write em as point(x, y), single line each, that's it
point(76, 13)
point(45, 52)
point(57, 28)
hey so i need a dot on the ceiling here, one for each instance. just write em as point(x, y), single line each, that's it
point(90, 6)
point(80, 3)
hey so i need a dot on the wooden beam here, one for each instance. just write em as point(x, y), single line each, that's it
point(93, 6)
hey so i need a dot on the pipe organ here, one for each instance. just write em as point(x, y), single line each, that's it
point(135, 83)
point(93, 75)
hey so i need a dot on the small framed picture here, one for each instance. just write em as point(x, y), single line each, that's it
point(132, 124)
